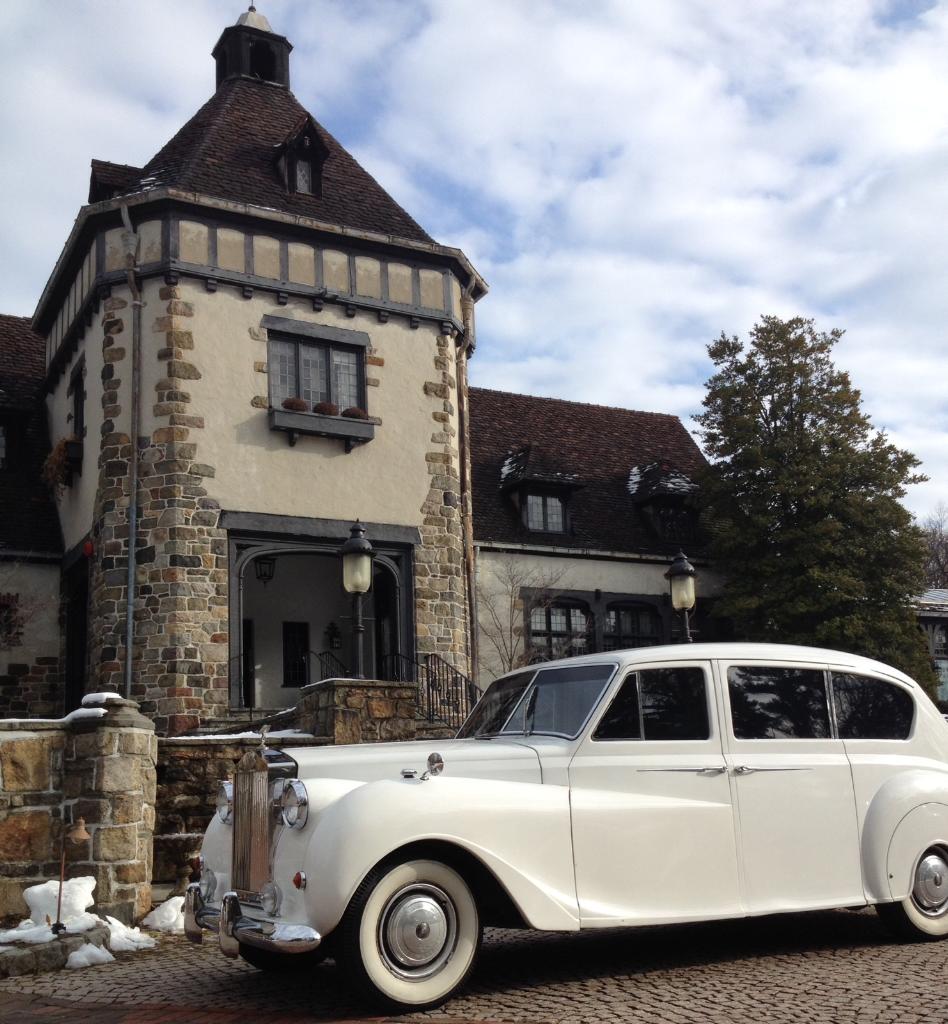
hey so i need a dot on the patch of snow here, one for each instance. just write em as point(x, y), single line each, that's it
point(84, 713)
point(635, 478)
point(510, 464)
point(41, 899)
point(676, 482)
point(168, 917)
point(88, 956)
point(91, 699)
point(123, 939)
point(279, 734)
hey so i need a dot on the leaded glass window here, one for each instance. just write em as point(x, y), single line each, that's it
point(545, 513)
point(559, 630)
point(316, 372)
point(631, 625)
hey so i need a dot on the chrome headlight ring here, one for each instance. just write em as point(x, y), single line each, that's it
point(225, 802)
point(294, 806)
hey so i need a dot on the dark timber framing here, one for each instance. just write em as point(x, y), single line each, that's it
point(93, 223)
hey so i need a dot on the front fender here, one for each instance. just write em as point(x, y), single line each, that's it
point(519, 831)
point(907, 814)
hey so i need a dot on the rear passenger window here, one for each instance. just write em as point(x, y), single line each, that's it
point(770, 703)
point(658, 704)
point(871, 709)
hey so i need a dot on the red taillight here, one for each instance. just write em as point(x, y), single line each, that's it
point(299, 880)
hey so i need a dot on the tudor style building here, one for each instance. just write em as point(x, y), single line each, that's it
point(248, 346)
point(578, 512)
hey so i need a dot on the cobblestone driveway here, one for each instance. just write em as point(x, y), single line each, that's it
point(835, 966)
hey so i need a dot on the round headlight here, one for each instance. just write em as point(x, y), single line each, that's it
point(208, 884)
point(270, 897)
point(225, 802)
point(295, 804)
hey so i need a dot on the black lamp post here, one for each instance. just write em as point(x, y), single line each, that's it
point(681, 580)
point(357, 579)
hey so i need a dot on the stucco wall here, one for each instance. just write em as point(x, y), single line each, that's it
point(76, 501)
point(385, 480)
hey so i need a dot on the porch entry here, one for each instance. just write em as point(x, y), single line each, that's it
point(296, 620)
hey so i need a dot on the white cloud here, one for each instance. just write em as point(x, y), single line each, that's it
point(630, 178)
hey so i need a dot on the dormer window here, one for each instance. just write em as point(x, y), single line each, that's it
point(545, 513)
point(304, 166)
point(301, 159)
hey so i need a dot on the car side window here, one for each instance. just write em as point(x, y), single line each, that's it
point(871, 709)
point(658, 704)
point(770, 702)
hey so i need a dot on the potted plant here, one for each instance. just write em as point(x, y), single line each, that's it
point(296, 404)
point(355, 413)
point(64, 459)
point(326, 408)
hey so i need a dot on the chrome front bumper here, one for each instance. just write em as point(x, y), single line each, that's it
point(234, 929)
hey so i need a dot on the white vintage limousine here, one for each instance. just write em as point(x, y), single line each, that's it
point(641, 787)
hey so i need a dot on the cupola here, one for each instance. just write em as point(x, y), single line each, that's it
point(251, 49)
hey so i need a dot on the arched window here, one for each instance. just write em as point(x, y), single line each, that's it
point(561, 629)
point(631, 625)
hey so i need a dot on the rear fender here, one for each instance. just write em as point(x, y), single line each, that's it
point(908, 814)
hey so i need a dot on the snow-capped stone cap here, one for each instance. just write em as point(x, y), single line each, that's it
point(252, 19)
point(93, 700)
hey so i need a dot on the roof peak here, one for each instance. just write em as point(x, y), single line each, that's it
point(255, 20)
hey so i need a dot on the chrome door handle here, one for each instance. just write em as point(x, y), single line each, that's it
point(747, 769)
point(715, 769)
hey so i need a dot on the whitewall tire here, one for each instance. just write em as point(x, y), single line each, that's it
point(411, 934)
point(923, 914)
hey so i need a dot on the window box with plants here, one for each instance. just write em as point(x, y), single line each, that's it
point(323, 419)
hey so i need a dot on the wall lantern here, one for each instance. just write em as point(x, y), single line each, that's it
point(681, 580)
point(264, 567)
point(357, 556)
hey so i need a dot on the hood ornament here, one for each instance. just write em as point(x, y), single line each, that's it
point(264, 733)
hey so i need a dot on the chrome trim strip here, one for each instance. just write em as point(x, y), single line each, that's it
point(697, 769)
point(747, 769)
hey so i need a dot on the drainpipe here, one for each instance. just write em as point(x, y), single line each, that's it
point(464, 452)
point(130, 245)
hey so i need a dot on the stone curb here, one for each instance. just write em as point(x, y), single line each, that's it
point(48, 956)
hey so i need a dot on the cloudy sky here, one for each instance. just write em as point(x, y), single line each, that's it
point(631, 176)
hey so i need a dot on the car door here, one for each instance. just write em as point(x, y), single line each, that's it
point(798, 835)
point(652, 822)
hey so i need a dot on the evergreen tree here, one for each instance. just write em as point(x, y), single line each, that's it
point(808, 529)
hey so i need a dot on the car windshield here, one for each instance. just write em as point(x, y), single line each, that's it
point(554, 700)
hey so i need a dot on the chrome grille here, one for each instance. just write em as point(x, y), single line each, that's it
point(251, 852)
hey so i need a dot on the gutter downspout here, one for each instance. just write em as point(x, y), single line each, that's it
point(130, 243)
point(464, 452)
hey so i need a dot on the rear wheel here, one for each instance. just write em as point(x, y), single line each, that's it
point(923, 914)
point(410, 935)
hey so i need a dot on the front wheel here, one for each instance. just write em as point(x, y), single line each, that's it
point(923, 914)
point(411, 934)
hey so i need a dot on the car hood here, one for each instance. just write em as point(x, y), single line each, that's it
point(472, 759)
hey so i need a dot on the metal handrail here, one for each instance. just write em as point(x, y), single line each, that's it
point(330, 667)
point(443, 692)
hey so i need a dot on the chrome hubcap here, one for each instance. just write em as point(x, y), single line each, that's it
point(930, 891)
point(417, 931)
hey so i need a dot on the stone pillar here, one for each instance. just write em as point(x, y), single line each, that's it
point(359, 710)
point(109, 780)
point(441, 616)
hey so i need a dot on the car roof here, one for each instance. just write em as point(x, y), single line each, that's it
point(731, 652)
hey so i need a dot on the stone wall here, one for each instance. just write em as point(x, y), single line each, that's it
point(181, 641)
point(359, 710)
point(98, 764)
point(190, 771)
point(33, 691)
point(441, 611)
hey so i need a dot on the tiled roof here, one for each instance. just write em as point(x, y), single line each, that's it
point(109, 179)
point(28, 518)
point(591, 450)
point(229, 150)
